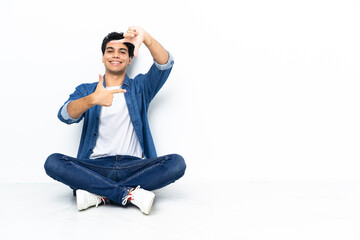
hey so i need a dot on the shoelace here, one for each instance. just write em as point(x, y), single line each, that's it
point(98, 200)
point(125, 199)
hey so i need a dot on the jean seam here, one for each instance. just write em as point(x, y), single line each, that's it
point(140, 164)
point(93, 165)
point(132, 166)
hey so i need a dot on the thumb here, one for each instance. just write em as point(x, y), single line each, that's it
point(136, 50)
point(101, 80)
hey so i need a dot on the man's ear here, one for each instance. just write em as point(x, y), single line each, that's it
point(130, 58)
point(103, 59)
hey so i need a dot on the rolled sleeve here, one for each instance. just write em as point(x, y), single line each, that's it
point(167, 65)
point(65, 114)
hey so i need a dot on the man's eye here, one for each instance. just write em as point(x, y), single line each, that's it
point(123, 52)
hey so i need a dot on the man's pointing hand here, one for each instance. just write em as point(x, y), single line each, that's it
point(102, 96)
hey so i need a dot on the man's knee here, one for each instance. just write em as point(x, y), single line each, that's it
point(178, 165)
point(52, 163)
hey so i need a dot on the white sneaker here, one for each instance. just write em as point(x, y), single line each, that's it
point(141, 198)
point(85, 199)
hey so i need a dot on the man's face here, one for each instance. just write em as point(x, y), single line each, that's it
point(116, 57)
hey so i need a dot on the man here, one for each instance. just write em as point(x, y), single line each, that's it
point(117, 160)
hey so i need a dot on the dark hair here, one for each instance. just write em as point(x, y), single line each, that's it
point(117, 36)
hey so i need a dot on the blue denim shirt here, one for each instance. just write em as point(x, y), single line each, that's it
point(139, 93)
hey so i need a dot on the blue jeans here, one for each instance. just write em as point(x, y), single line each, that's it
point(114, 176)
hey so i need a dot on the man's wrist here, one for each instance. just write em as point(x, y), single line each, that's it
point(90, 100)
point(148, 40)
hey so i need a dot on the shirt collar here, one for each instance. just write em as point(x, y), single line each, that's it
point(127, 81)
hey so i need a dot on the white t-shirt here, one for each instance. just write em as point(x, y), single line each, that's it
point(116, 133)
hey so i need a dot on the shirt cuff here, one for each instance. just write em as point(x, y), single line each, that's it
point(65, 114)
point(167, 65)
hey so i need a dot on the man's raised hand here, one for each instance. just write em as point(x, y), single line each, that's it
point(136, 36)
point(102, 96)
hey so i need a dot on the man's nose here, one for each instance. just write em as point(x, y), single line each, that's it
point(116, 55)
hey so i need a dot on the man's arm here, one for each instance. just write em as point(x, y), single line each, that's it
point(101, 96)
point(155, 78)
point(137, 36)
point(158, 52)
point(77, 107)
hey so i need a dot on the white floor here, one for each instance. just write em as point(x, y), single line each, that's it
point(188, 211)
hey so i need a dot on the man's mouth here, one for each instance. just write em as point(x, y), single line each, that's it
point(115, 62)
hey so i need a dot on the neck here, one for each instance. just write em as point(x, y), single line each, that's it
point(114, 79)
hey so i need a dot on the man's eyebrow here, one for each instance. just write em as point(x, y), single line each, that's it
point(111, 48)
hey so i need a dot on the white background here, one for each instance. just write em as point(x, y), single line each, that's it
point(261, 91)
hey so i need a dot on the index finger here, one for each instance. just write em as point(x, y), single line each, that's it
point(117, 91)
point(130, 34)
